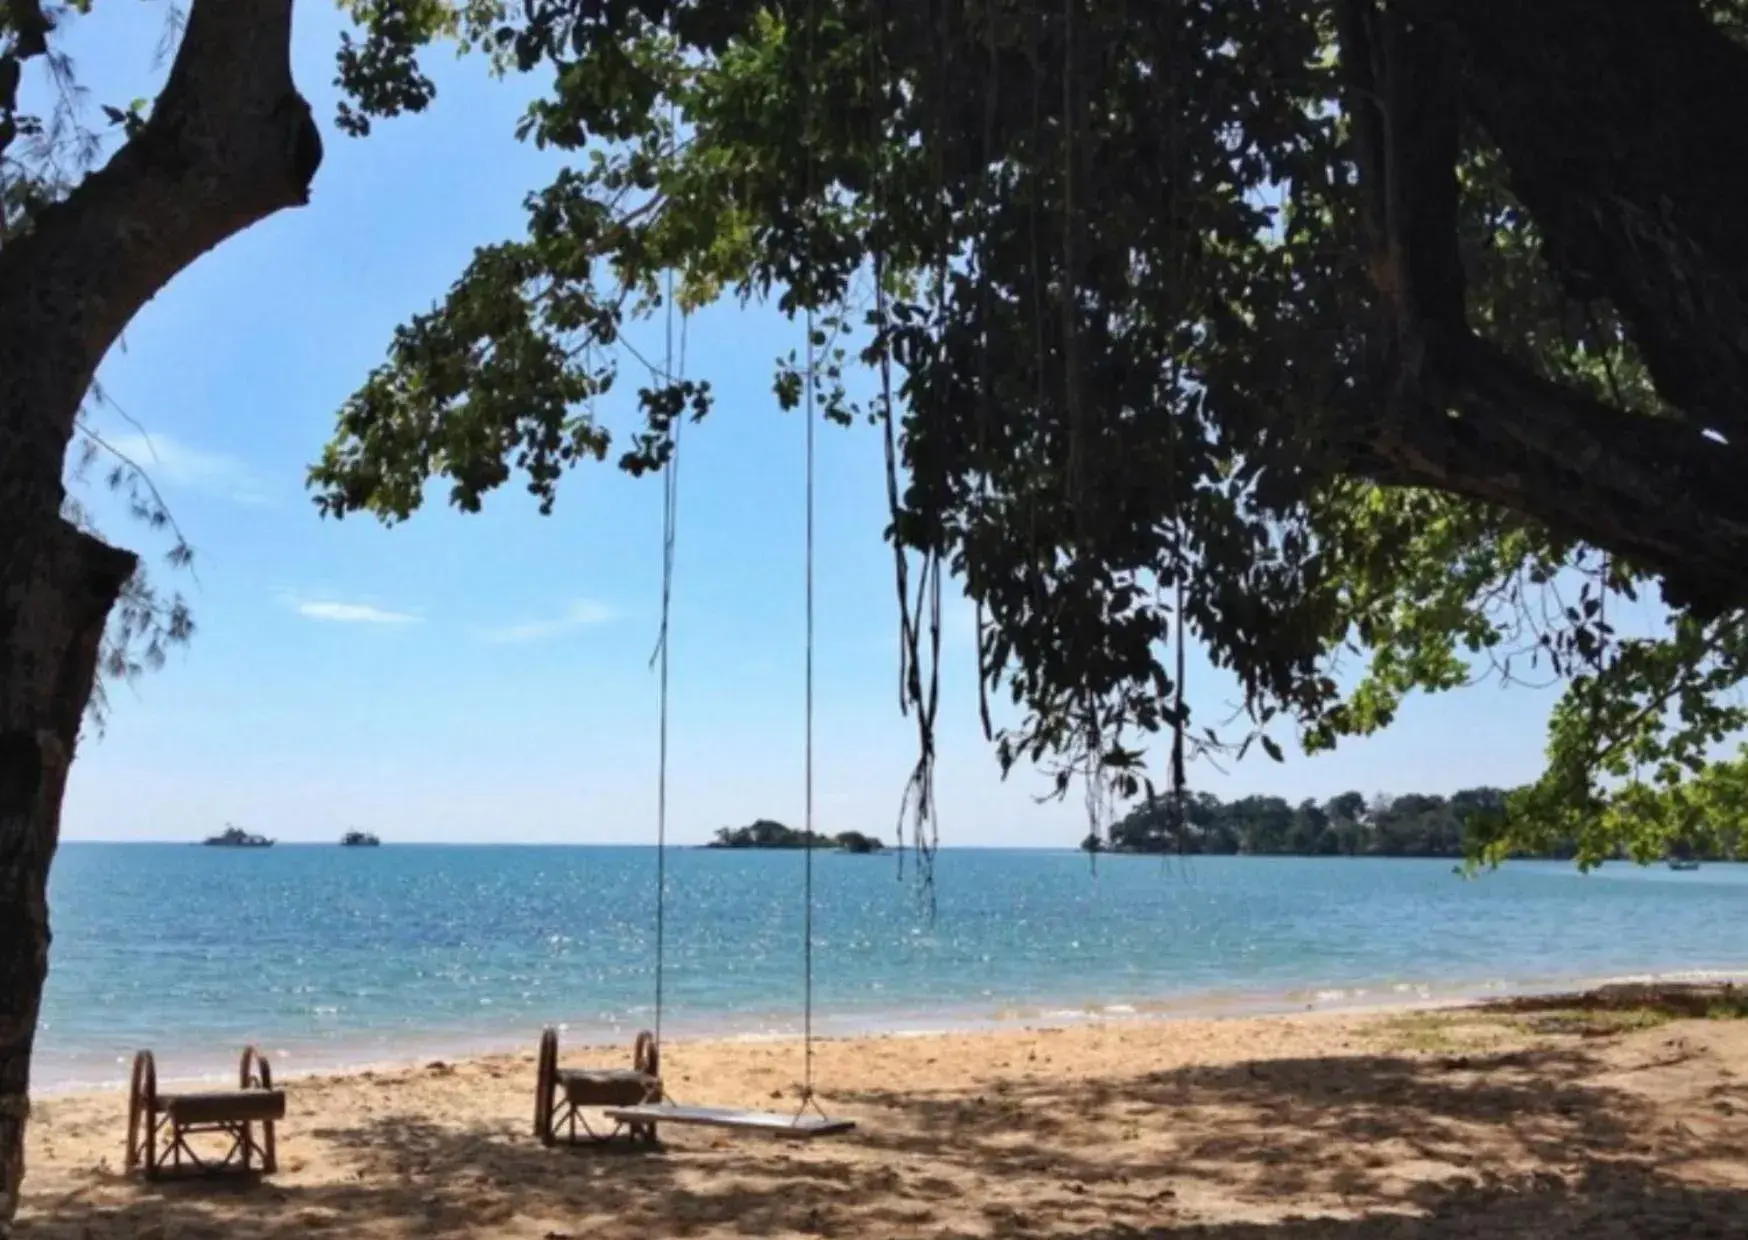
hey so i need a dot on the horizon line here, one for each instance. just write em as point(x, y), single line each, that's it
point(430, 843)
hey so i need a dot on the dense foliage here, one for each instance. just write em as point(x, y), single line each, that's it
point(1351, 825)
point(764, 833)
point(1155, 348)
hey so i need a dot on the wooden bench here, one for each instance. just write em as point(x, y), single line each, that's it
point(562, 1096)
point(159, 1125)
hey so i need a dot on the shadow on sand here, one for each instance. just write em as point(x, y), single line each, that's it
point(1532, 1143)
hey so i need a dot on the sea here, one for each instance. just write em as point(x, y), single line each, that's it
point(332, 957)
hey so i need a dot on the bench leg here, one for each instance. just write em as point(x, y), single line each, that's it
point(179, 1147)
point(546, 1119)
point(570, 1126)
point(239, 1135)
point(154, 1124)
point(167, 1150)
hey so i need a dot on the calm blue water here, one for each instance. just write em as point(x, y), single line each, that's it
point(330, 955)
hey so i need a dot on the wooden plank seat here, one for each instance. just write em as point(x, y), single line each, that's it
point(159, 1125)
point(252, 1106)
point(611, 1087)
point(771, 1123)
point(564, 1096)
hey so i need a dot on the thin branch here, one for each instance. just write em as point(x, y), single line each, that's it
point(145, 478)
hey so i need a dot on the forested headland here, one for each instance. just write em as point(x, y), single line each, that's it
point(1349, 825)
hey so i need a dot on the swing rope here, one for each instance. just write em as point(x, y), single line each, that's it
point(670, 514)
point(807, 779)
point(807, 578)
point(660, 659)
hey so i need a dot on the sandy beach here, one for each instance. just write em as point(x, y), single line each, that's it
point(1620, 1117)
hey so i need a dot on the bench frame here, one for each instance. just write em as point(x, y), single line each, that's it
point(560, 1106)
point(157, 1139)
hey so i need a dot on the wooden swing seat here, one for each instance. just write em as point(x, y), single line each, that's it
point(159, 1125)
point(769, 1123)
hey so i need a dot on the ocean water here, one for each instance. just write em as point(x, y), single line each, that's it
point(328, 956)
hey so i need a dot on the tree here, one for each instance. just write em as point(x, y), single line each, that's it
point(1271, 326)
point(1310, 832)
point(226, 143)
point(1408, 324)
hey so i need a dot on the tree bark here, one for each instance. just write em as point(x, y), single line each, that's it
point(228, 143)
point(1624, 128)
point(56, 589)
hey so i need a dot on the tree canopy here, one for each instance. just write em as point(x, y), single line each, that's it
point(1406, 332)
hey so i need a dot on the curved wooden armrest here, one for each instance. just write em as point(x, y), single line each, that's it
point(253, 1071)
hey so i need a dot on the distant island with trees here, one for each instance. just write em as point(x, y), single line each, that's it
point(765, 833)
point(1349, 825)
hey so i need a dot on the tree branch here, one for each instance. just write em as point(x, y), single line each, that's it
point(1459, 414)
point(228, 143)
point(30, 39)
point(1625, 130)
point(1356, 25)
point(1654, 491)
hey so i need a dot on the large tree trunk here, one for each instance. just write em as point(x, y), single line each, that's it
point(56, 588)
point(1624, 127)
point(229, 142)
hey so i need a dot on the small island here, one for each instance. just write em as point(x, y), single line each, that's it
point(768, 834)
point(359, 839)
point(236, 837)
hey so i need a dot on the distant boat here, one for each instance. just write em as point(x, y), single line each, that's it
point(1681, 863)
point(359, 839)
point(236, 837)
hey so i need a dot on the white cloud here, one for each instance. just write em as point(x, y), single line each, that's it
point(345, 613)
point(172, 464)
point(580, 614)
point(354, 613)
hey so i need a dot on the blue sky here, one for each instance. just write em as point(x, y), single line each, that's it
point(484, 678)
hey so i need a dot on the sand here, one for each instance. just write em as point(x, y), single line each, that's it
point(1472, 1125)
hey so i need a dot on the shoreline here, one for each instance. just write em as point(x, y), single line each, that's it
point(294, 1059)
